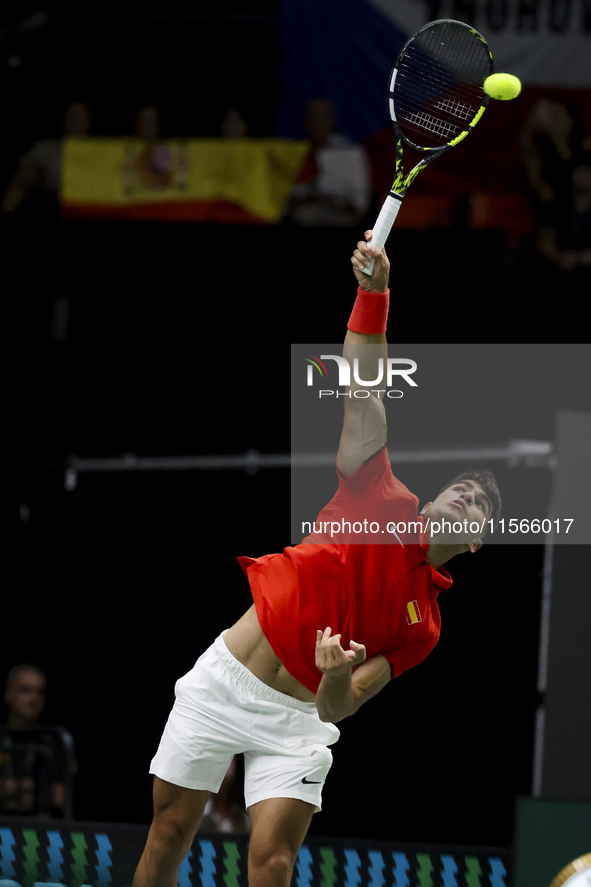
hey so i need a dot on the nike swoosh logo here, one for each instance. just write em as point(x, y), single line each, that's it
point(311, 781)
point(398, 537)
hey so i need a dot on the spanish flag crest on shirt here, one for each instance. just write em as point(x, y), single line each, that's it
point(413, 614)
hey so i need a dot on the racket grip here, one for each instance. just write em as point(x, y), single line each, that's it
point(383, 226)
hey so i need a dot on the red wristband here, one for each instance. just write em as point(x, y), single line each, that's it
point(370, 313)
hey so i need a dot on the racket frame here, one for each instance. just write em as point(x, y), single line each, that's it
point(393, 201)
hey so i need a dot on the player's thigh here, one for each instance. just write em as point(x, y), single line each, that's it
point(278, 829)
point(177, 810)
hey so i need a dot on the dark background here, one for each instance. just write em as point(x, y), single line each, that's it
point(117, 587)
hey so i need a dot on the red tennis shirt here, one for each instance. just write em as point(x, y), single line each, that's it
point(381, 595)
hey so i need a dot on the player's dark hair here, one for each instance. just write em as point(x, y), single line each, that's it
point(487, 481)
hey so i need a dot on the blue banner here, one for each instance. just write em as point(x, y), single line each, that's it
point(341, 50)
point(86, 854)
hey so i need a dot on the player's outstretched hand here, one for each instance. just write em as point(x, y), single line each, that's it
point(378, 282)
point(330, 656)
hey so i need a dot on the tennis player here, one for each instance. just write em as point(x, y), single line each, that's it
point(331, 624)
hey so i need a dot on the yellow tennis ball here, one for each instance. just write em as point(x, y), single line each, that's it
point(502, 86)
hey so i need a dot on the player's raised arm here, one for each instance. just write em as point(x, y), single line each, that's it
point(364, 426)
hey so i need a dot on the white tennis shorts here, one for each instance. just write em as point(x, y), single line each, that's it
point(222, 709)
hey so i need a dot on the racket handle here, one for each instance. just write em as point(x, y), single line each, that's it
point(383, 226)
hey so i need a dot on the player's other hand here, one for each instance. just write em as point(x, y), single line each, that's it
point(378, 282)
point(330, 656)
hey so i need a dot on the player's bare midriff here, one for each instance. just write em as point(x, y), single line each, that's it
point(247, 643)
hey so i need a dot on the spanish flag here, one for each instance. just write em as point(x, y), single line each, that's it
point(236, 181)
point(413, 613)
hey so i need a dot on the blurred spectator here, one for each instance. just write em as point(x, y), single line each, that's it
point(24, 695)
point(147, 123)
point(335, 186)
point(36, 763)
point(225, 811)
point(552, 142)
point(564, 232)
point(35, 187)
point(233, 125)
point(154, 164)
point(40, 169)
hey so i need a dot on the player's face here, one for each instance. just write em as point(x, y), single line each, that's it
point(468, 498)
point(463, 501)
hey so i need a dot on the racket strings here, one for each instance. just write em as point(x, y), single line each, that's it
point(438, 88)
point(456, 51)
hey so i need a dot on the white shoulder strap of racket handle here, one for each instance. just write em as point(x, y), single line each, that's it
point(383, 226)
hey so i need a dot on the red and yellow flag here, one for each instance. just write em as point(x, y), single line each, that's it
point(193, 180)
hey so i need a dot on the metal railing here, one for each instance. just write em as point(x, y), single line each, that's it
point(515, 453)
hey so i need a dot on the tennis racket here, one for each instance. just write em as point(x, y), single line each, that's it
point(436, 99)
